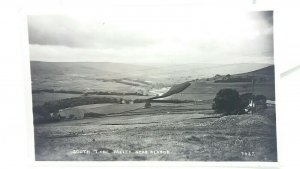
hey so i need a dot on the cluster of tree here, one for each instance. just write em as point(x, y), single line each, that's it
point(162, 101)
point(125, 82)
point(91, 114)
point(135, 80)
point(234, 79)
point(56, 91)
point(114, 93)
point(85, 93)
point(230, 102)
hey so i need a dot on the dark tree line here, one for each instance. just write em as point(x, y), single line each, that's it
point(230, 102)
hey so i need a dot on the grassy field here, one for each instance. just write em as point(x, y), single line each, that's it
point(207, 90)
point(163, 132)
point(187, 131)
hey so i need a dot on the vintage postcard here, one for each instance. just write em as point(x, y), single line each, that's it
point(147, 85)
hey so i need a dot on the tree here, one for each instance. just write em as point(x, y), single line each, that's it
point(227, 101)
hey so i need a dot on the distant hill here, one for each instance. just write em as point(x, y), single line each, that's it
point(206, 89)
point(160, 73)
point(84, 68)
point(121, 77)
point(207, 69)
point(266, 71)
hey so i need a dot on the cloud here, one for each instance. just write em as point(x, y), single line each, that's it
point(66, 31)
point(222, 37)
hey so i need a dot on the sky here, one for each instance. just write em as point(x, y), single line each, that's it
point(151, 34)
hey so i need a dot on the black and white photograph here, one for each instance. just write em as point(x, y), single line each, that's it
point(147, 85)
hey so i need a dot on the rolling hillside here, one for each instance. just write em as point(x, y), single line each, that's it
point(84, 68)
point(206, 89)
point(266, 71)
point(152, 72)
point(128, 78)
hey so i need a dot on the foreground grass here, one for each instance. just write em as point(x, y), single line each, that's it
point(161, 134)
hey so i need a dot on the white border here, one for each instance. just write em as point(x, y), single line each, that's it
point(283, 61)
point(71, 7)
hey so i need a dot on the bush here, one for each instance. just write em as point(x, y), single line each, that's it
point(260, 102)
point(227, 102)
point(260, 99)
point(244, 100)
